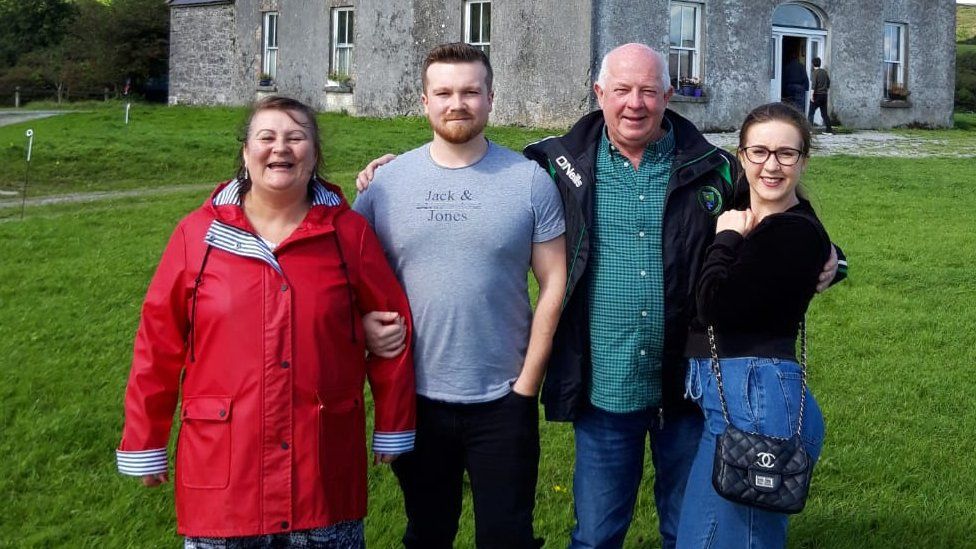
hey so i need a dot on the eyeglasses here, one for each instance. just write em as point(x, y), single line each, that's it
point(759, 155)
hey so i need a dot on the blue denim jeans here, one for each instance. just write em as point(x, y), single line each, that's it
point(610, 463)
point(763, 396)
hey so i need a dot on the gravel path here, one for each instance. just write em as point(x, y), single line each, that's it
point(869, 143)
point(100, 195)
point(8, 117)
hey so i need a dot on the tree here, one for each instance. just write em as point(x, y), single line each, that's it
point(31, 25)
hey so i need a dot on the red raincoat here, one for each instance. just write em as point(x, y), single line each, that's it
point(271, 353)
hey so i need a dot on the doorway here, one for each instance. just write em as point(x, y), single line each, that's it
point(799, 33)
point(786, 46)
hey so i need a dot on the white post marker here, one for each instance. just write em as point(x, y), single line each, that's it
point(30, 147)
point(127, 105)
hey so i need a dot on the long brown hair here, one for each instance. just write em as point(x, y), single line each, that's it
point(780, 112)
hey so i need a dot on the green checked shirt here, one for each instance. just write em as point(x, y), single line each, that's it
point(626, 294)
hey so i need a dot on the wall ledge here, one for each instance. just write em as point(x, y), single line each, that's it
point(896, 104)
point(689, 99)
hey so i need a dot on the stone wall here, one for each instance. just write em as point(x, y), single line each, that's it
point(203, 56)
point(541, 53)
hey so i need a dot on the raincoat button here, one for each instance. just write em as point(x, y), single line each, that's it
point(285, 364)
point(284, 445)
point(222, 413)
point(284, 287)
point(284, 525)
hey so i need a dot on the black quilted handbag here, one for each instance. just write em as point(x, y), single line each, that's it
point(762, 471)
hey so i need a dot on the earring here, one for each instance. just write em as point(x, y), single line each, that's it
point(247, 175)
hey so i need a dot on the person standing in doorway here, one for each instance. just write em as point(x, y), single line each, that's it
point(795, 82)
point(821, 84)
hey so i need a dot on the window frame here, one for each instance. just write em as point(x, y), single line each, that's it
point(347, 45)
point(267, 66)
point(481, 43)
point(900, 62)
point(697, 57)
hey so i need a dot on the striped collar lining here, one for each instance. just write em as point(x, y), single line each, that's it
point(240, 242)
point(321, 196)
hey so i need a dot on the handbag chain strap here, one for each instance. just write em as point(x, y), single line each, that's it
point(717, 370)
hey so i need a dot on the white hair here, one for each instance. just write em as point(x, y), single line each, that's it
point(662, 61)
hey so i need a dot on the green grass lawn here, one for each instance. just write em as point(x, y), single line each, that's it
point(892, 349)
point(966, 24)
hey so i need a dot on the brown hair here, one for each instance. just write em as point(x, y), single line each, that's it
point(288, 106)
point(456, 52)
point(780, 112)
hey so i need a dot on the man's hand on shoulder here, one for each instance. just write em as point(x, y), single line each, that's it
point(829, 270)
point(365, 177)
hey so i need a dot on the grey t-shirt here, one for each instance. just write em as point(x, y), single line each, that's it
point(460, 241)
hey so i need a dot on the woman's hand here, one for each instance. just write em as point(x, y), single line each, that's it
point(155, 479)
point(384, 458)
point(385, 333)
point(365, 177)
point(740, 221)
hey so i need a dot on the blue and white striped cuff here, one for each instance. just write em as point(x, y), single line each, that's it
point(143, 462)
point(399, 442)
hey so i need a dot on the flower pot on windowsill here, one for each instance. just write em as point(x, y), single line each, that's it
point(686, 90)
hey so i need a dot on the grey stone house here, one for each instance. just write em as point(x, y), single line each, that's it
point(891, 62)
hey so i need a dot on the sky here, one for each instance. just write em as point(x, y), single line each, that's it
point(967, 2)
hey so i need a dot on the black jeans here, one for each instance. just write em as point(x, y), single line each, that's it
point(497, 443)
point(819, 101)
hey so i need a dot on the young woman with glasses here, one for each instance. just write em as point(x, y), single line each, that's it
point(757, 279)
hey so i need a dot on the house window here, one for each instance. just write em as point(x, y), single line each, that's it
point(477, 24)
point(895, 49)
point(342, 40)
point(684, 59)
point(270, 65)
point(795, 15)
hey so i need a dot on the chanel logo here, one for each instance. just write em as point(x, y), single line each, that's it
point(765, 459)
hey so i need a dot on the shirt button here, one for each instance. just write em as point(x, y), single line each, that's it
point(284, 287)
point(643, 313)
point(285, 364)
point(643, 352)
point(643, 273)
point(641, 234)
point(641, 197)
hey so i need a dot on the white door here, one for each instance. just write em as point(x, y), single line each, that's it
point(775, 67)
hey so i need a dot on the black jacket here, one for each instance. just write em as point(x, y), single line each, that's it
point(701, 186)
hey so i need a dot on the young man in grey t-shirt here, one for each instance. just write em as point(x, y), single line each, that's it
point(462, 220)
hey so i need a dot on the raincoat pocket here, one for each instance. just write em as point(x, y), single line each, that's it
point(203, 452)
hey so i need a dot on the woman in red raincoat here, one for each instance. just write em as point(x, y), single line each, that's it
point(255, 316)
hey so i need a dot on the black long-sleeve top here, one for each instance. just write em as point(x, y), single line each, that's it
point(755, 290)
